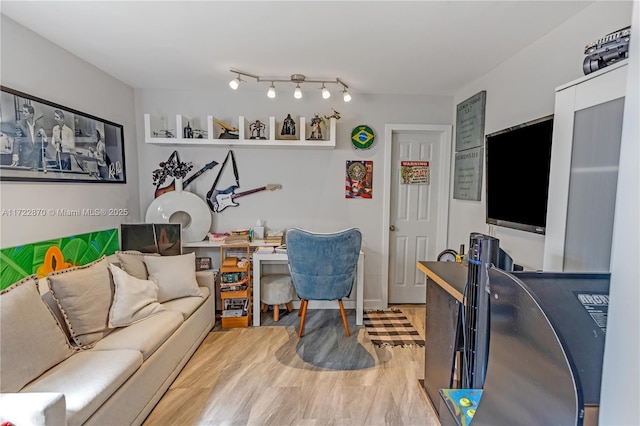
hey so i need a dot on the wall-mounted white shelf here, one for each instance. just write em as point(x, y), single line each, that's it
point(155, 133)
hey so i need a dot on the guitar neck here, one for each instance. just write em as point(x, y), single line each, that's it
point(196, 174)
point(251, 191)
point(192, 177)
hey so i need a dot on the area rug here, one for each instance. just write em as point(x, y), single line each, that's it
point(391, 328)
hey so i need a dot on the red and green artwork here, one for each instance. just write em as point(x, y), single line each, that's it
point(53, 255)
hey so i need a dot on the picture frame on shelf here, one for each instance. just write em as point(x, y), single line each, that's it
point(203, 263)
point(46, 142)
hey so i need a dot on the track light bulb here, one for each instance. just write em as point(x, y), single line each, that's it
point(235, 83)
point(272, 91)
point(325, 92)
point(345, 95)
point(298, 92)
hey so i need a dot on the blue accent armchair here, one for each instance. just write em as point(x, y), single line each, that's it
point(323, 266)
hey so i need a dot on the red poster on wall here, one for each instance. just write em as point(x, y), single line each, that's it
point(359, 179)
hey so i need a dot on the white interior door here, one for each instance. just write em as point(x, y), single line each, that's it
point(418, 213)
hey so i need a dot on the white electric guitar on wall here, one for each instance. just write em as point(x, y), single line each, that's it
point(220, 200)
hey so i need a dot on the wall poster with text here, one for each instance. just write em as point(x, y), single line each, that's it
point(467, 178)
point(470, 115)
point(414, 173)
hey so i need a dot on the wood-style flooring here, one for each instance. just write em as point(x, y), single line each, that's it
point(268, 376)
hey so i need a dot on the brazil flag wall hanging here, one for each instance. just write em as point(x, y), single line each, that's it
point(362, 137)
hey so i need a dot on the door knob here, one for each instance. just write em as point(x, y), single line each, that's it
point(392, 228)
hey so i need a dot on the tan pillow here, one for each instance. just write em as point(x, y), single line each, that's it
point(30, 337)
point(132, 262)
point(133, 300)
point(175, 275)
point(84, 295)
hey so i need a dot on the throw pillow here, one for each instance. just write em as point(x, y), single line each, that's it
point(84, 295)
point(175, 275)
point(31, 339)
point(133, 300)
point(132, 262)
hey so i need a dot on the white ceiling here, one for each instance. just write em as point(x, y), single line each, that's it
point(380, 47)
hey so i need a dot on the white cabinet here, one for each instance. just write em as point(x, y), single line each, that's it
point(155, 133)
point(584, 171)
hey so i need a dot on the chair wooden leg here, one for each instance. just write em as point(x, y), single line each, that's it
point(265, 308)
point(289, 307)
point(344, 318)
point(276, 313)
point(303, 313)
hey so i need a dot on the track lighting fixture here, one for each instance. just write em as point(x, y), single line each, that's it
point(235, 83)
point(295, 78)
point(345, 95)
point(325, 92)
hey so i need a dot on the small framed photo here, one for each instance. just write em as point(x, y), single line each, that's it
point(203, 263)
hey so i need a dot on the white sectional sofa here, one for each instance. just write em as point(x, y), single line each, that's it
point(56, 369)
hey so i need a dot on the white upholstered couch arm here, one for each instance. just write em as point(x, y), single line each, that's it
point(33, 408)
point(207, 279)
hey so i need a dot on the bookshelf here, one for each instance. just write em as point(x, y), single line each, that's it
point(235, 287)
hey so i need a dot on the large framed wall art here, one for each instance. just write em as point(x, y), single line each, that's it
point(46, 142)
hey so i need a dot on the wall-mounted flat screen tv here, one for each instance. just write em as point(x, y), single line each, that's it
point(518, 160)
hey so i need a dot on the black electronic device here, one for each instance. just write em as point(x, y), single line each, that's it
point(606, 51)
point(518, 161)
point(162, 238)
point(483, 253)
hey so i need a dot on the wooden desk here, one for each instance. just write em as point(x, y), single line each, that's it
point(451, 276)
point(445, 288)
point(260, 258)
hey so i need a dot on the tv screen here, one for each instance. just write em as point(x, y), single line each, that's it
point(517, 162)
point(163, 238)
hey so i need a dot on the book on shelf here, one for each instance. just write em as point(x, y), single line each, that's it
point(237, 239)
point(233, 288)
point(264, 249)
point(233, 280)
point(282, 248)
point(234, 304)
point(276, 240)
point(232, 313)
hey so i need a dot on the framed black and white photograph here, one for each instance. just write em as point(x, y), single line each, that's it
point(46, 142)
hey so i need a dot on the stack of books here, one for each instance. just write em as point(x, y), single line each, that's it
point(273, 237)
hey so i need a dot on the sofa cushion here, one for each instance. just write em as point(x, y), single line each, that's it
point(87, 379)
point(133, 300)
point(144, 336)
point(187, 305)
point(30, 337)
point(175, 275)
point(84, 295)
point(132, 262)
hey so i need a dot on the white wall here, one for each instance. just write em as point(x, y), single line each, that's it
point(621, 373)
point(313, 179)
point(35, 66)
point(523, 89)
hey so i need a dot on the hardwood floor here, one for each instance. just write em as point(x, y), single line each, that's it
point(268, 376)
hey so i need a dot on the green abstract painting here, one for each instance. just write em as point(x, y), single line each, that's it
point(53, 255)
